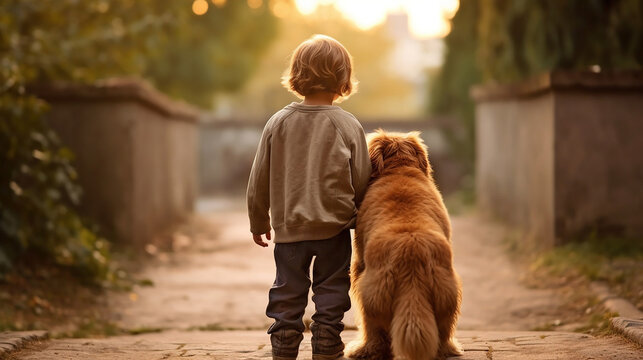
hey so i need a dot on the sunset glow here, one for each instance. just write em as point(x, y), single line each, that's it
point(255, 4)
point(427, 18)
point(200, 7)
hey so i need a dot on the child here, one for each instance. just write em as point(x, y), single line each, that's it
point(311, 170)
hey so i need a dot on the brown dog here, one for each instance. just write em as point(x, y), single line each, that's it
point(403, 279)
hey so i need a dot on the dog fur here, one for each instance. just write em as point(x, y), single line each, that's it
point(403, 281)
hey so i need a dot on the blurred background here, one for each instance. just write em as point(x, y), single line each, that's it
point(210, 71)
point(119, 118)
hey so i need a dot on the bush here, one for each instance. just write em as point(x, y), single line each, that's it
point(38, 192)
point(83, 41)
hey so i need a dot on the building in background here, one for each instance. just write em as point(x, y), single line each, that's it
point(391, 65)
point(412, 56)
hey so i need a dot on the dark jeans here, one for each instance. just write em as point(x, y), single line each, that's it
point(289, 293)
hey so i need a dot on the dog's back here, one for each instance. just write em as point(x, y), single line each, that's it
point(407, 285)
point(408, 275)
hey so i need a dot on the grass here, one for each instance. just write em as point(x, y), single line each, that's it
point(144, 330)
point(570, 269)
point(593, 257)
point(599, 324)
point(613, 260)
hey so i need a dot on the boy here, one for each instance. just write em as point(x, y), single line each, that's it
point(311, 170)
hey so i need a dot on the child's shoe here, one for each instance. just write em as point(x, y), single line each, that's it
point(285, 344)
point(327, 343)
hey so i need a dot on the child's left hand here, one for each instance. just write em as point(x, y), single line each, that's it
point(259, 241)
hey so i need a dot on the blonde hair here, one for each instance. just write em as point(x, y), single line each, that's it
point(320, 63)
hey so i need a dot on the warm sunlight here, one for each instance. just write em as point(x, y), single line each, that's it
point(427, 18)
point(200, 7)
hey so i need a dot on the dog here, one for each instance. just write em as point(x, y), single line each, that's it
point(403, 281)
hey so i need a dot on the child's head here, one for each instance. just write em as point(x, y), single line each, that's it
point(320, 64)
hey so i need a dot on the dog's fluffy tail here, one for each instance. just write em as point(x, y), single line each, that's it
point(414, 332)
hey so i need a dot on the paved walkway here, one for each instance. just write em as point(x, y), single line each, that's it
point(220, 281)
point(255, 345)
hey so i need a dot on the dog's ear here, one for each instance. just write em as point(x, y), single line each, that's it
point(420, 150)
point(376, 143)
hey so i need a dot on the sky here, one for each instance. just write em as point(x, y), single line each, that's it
point(427, 18)
point(393, 42)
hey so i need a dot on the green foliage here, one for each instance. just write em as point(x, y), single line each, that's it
point(188, 56)
point(595, 258)
point(38, 188)
point(615, 261)
point(450, 88)
point(599, 324)
point(217, 51)
point(83, 41)
point(510, 40)
point(521, 38)
point(41, 41)
point(75, 40)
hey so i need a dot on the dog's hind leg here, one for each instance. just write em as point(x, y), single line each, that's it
point(375, 343)
point(374, 299)
point(447, 305)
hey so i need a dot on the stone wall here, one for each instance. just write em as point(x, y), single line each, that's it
point(227, 149)
point(559, 156)
point(136, 154)
point(514, 162)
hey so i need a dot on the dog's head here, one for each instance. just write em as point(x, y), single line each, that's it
point(389, 150)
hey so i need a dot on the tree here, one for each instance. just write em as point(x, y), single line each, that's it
point(380, 90)
point(198, 56)
point(521, 38)
point(509, 40)
point(449, 94)
point(83, 41)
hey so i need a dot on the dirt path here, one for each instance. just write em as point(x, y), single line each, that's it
point(493, 296)
point(221, 281)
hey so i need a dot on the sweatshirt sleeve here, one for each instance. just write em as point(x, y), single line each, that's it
point(360, 167)
point(258, 194)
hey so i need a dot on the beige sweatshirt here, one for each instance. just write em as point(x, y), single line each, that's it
point(311, 171)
